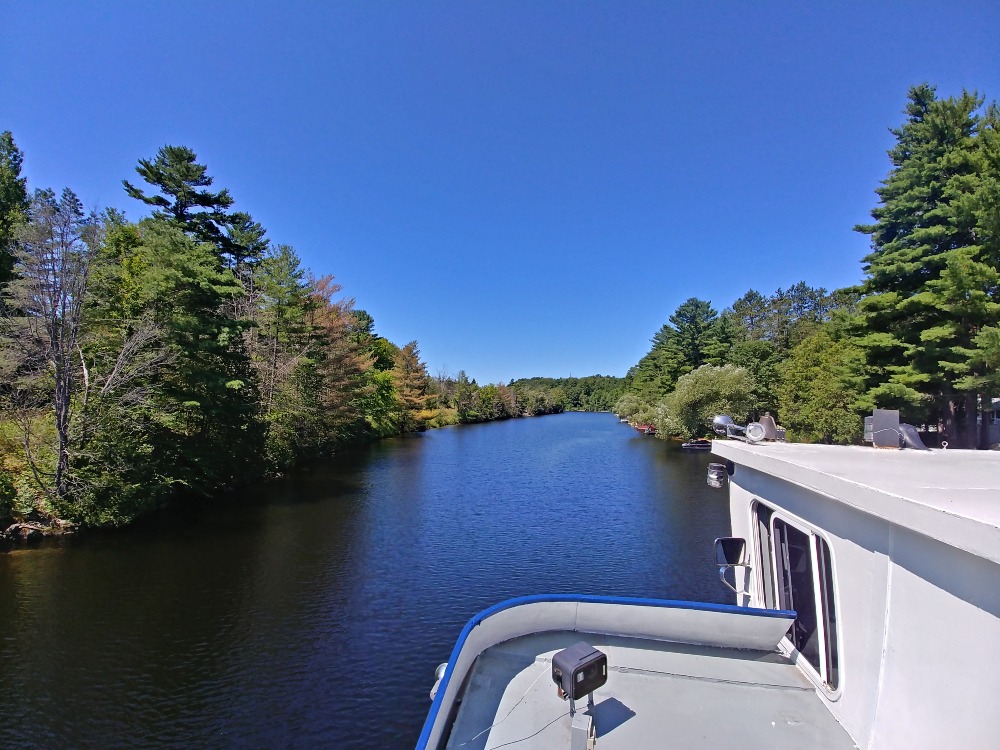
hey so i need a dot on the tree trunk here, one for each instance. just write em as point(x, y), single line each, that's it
point(968, 432)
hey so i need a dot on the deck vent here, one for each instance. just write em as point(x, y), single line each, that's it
point(578, 671)
point(884, 430)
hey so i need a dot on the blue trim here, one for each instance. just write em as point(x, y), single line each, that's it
point(580, 599)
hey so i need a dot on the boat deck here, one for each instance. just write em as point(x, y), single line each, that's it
point(658, 695)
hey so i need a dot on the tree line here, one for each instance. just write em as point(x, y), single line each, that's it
point(470, 402)
point(920, 333)
point(185, 352)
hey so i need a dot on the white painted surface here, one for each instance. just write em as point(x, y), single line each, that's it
point(658, 695)
point(952, 496)
point(695, 626)
point(915, 545)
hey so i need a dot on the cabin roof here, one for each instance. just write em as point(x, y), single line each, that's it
point(949, 495)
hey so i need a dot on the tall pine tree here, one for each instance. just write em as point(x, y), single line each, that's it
point(13, 202)
point(930, 282)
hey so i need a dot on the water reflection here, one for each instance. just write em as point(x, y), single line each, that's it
point(314, 611)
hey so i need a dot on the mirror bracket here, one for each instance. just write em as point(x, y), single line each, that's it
point(731, 552)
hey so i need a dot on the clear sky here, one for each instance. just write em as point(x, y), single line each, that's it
point(525, 188)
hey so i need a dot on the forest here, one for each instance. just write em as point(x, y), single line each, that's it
point(187, 353)
point(920, 333)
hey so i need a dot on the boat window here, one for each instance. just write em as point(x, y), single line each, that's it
point(796, 572)
point(796, 590)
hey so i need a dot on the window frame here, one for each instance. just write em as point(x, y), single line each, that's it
point(826, 610)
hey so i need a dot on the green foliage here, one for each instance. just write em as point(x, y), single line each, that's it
point(591, 393)
point(820, 390)
point(378, 403)
point(182, 199)
point(205, 414)
point(761, 359)
point(931, 279)
point(7, 495)
point(693, 336)
point(13, 202)
point(702, 394)
point(444, 417)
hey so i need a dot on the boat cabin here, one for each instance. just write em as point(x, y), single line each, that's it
point(891, 561)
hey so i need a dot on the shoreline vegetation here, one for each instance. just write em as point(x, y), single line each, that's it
point(187, 353)
point(920, 333)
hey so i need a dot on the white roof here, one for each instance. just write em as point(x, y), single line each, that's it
point(949, 495)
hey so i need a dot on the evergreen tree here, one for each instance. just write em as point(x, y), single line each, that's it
point(761, 359)
point(930, 281)
point(467, 399)
point(208, 403)
point(343, 365)
point(412, 386)
point(183, 198)
point(13, 202)
point(749, 314)
point(694, 336)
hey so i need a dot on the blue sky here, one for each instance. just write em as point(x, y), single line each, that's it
point(525, 188)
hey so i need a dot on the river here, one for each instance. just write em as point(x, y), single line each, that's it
point(312, 611)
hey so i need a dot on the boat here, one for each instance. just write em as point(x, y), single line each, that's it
point(865, 613)
point(646, 429)
point(697, 444)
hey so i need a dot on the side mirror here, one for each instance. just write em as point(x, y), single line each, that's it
point(731, 552)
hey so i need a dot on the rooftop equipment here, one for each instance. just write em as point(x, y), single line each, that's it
point(752, 433)
point(578, 671)
point(884, 430)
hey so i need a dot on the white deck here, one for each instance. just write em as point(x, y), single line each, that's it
point(950, 495)
point(658, 695)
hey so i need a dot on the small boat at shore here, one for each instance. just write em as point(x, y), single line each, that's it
point(698, 444)
point(645, 429)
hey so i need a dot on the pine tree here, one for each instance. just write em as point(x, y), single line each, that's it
point(13, 202)
point(930, 280)
point(183, 199)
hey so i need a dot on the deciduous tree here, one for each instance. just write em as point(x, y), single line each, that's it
point(43, 327)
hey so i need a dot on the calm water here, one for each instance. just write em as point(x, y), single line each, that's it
point(315, 612)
